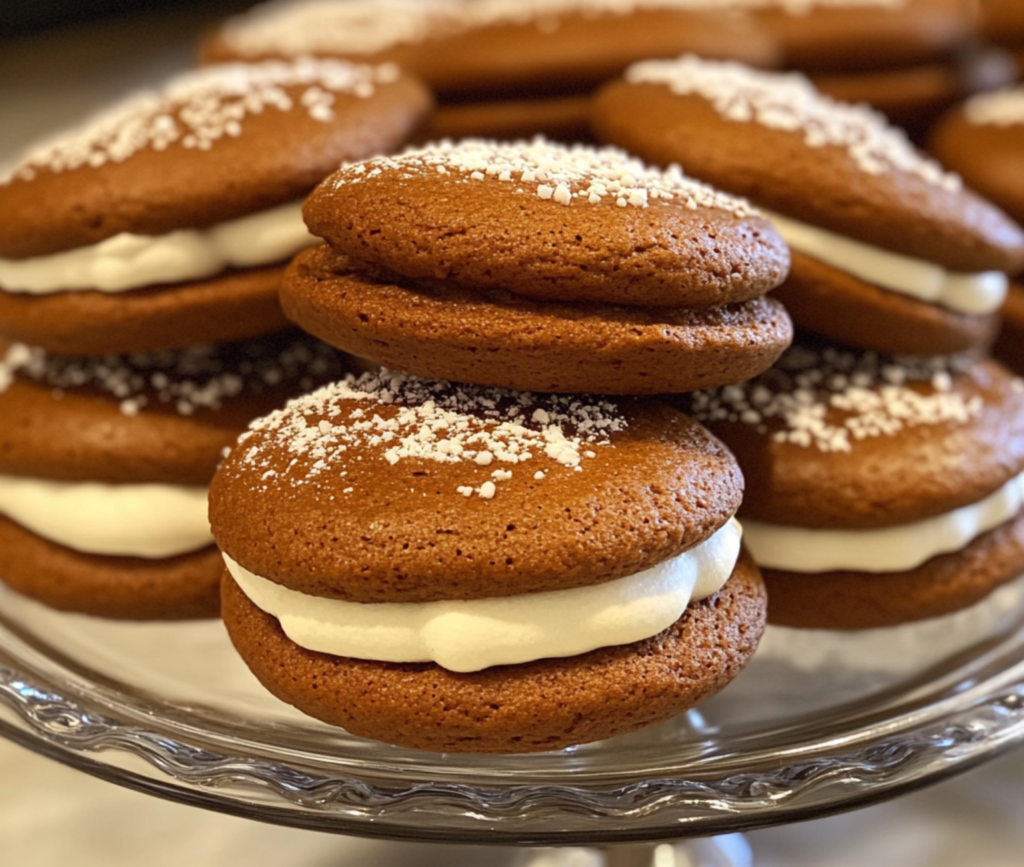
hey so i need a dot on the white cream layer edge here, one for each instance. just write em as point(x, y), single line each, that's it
point(973, 294)
point(128, 261)
point(471, 635)
point(887, 549)
point(129, 520)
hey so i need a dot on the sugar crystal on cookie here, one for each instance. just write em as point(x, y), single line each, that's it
point(394, 416)
point(789, 102)
point(554, 172)
point(200, 107)
point(873, 394)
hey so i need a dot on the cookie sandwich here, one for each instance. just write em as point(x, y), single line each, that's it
point(540, 267)
point(890, 252)
point(983, 141)
point(465, 569)
point(105, 462)
point(880, 489)
point(166, 220)
point(500, 68)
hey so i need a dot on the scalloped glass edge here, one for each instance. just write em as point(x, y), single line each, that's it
point(820, 773)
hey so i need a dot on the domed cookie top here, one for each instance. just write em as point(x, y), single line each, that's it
point(832, 438)
point(391, 488)
point(150, 416)
point(834, 166)
point(547, 221)
point(983, 140)
point(494, 46)
point(213, 145)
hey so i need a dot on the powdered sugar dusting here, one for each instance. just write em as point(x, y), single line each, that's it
point(396, 416)
point(830, 398)
point(199, 108)
point(361, 27)
point(564, 175)
point(789, 102)
point(200, 377)
point(999, 108)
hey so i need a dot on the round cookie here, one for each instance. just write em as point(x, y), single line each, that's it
point(104, 464)
point(492, 48)
point(435, 458)
point(544, 705)
point(167, 191)
point(880, 489)
point(842, 186)
point(577, 252)
point(471, 521)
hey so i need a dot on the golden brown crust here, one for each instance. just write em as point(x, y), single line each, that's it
point(372, 531)
point(278, 158)
point(231, 306)
point(834, 303)
point(860, 600)
point(543, 705)
point(122, 588)
point(822, 186)
point(531, 345)
point(493, 236)
point(921, 471)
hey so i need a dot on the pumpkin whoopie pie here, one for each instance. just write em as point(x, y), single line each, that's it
point(880, 489)
point(105, 461)
point(540, 267)
point(500, 68)
point(890, 252)
point(983, 141)
point(164, 221)
point(457, 568)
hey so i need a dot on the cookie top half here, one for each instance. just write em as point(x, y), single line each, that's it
point(548, 221)
point(775, 139)
point(474, 48)
point(838, 439)
point(983, 140)
point(212, 145)
point(390, 488)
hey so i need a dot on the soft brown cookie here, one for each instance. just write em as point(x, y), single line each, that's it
point(82, 434)
point(465, 493)
point(145, 209)
point(983, 140)
point(184, 587)
point(498, 339)
point(862, 459)
point(1002, 21)
point(837, 173)
point(836, 304)
point(231, 306)
point(483, 49)
point(941, 585)
point(544, 705)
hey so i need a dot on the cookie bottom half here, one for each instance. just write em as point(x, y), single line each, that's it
point(548, 704)
point(860, 600)
point(122, 588)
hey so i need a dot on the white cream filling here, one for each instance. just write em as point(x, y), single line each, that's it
point(127, 520)
point(470, 635)
point(128, 261)
point(973, 294)
point(888, 549)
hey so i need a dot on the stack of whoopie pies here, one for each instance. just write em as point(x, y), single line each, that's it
point(503, 548)
point(882, 487)
point(140, 257)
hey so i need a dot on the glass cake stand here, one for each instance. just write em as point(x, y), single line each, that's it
point(818, 723)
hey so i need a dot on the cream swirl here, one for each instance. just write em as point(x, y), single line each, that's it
point(126, 520)
point(129, 261)
point(470, 635)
